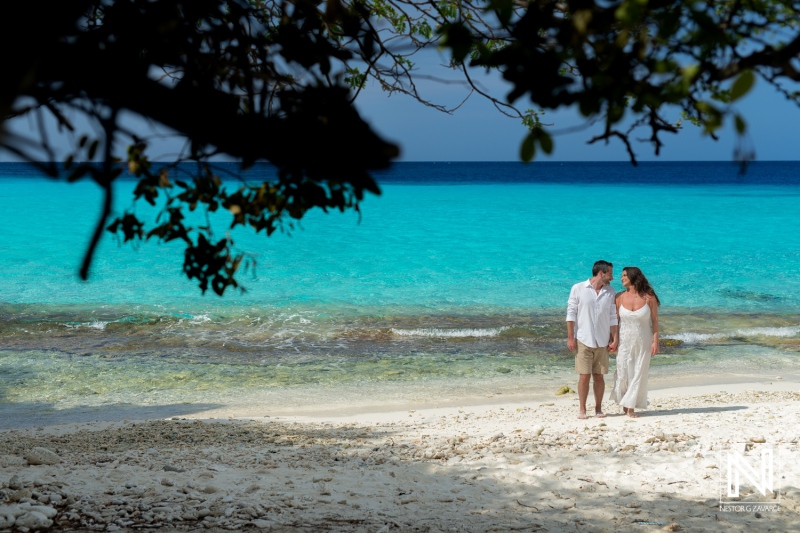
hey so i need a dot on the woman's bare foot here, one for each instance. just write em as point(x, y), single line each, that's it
point(631, 414)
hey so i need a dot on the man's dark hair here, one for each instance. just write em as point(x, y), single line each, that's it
point(601, 266)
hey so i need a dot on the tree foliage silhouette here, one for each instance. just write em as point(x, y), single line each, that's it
point(275, 81)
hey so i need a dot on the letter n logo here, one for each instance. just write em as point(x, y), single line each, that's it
point(738, 465)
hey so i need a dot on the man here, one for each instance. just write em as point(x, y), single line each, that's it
point(592, 332)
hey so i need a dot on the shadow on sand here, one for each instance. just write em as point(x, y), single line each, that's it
point(26, 415)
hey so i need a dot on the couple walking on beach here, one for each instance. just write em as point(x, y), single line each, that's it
point(600, 321)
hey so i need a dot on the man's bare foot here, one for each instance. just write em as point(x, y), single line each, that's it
point(582, 416)
point(599, 414)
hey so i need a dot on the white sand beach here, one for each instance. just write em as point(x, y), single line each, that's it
point(520, 466)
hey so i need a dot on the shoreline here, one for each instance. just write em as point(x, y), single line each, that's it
point(528, 465)
point(318, 401)
point(663, 390)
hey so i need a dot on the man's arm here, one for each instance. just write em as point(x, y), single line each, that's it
point(614, 341)
point(572, 344)
point(572, 317)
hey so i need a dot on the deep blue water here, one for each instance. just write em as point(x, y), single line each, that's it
point(457, 272)
point(600, 173)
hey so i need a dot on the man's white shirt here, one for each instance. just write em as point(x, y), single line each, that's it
point(593, 313)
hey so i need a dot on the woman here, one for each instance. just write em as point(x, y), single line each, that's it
point(637, 311)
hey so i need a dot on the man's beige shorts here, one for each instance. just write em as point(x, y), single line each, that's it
point(591, 360)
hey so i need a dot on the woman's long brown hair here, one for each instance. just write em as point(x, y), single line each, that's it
point(640, 283)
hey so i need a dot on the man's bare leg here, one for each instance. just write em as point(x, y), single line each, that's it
point(583, 393)
point(599, 390)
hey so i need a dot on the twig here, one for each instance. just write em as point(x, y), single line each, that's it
point(528, 506)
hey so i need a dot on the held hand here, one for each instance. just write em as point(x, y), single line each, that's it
point(572, 344)
point(612, 346)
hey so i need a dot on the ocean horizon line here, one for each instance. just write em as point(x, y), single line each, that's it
point(622, 173)
point(468, 161)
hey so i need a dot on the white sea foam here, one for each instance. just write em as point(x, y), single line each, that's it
point(449, 333)
point(96, 324)
point(696, 338)
point(199, 319)
point(788, 331)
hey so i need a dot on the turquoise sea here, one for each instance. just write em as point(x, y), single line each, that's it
point(451, 286)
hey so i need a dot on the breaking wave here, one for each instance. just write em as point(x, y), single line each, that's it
point(696, 338)
point(449, 333)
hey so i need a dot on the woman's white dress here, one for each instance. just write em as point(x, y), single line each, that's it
point(633, 358)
